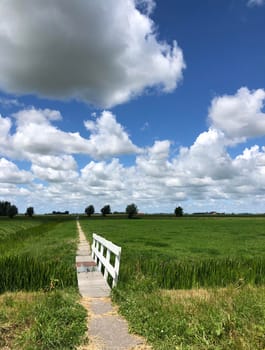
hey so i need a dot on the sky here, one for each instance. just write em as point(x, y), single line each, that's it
point(158, 103)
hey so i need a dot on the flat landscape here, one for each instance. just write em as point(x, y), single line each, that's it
point(191, 283)
point(188, 252)
point(185, 283)
point(186, 237)
point(144, 120)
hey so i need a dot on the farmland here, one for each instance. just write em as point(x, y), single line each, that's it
point(185, 283)
point(38, 300)
point(188, 252)
point(191, 283)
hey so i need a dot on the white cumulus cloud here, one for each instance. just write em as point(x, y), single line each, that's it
point(240, 115)
point(108, 137)
point(11, 174)
point(203, 176)
point(54, 168)
point(35, 135)
point(102, 52)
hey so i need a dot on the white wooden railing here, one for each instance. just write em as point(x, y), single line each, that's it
point(101, 254)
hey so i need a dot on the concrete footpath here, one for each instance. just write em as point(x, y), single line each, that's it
point(107, 330)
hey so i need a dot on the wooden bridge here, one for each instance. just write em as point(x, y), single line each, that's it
point(91, 282)
point(107, 330)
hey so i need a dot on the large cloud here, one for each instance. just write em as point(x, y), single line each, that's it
point(35, 135)
point(10, 173)
point(203, 176)
point(108, 137)
point(102, 52)
point(54, 168)
point(240, 115)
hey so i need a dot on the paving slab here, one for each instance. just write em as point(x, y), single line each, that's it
point(92, 284)
point(113, 333)
point(113, 329)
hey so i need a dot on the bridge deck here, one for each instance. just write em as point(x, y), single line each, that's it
point(91, 282)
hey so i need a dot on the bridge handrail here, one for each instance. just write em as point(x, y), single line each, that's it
point(99, 245)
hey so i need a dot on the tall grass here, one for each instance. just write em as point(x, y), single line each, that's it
point(188, 253)
point(34, 258)
point(22, 272)
point(175, 274)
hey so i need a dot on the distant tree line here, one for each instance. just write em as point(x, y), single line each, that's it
point(66, 212)
point(131, 210)
point(8, 209)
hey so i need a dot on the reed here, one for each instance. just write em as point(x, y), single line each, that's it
point(190, 252)
point(29, 274)
point(184, 274)
point(37, 257)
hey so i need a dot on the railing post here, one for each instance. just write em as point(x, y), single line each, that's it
point(116, 268)
point(93, 248)
point(101, 252)
point(106, 273)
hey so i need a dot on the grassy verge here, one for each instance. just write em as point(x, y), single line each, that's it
point(38, 255)
point(213, 319)
point(41, 321)
point(34, 257)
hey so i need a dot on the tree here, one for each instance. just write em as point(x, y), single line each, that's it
point(131, 210)
point(12, 211)
point(178, 211)
point(105, 210)
point(4, 207)
point(30, 211)
point(90, 210)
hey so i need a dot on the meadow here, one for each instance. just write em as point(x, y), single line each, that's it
point(188, 252)
point(38, 287)
point(191, 283)
point(185, 283)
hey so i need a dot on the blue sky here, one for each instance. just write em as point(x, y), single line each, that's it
point(160, 103)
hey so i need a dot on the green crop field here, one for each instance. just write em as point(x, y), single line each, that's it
point(39, 252)
point(191, 283)
point(9, 227)
point(188, 252)
point(187, 237)
point(185, 283)
point(37, 264)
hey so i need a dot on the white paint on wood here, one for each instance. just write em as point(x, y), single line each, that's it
point(98, 246)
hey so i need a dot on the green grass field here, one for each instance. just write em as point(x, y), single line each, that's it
point(42, 251)
point(188, 238)
point(191, 283)
point(37, 264)
point(9, 227)
point(184, 284)
point(188, 252)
